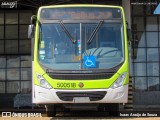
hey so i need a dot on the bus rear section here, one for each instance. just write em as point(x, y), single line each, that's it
point(80, 56)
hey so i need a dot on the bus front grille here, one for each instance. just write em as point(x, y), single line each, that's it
point(93, 95)
point(80, 76)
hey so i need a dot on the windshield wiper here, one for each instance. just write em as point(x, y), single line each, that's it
point(67, 32)
point(95, 31)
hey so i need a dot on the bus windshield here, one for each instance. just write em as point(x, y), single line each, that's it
point(70, 46)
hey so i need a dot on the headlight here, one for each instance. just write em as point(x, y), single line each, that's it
point(43, 82)
point(119, 81)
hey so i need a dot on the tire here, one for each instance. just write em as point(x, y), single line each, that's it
point(114, 110)
point(101, 108)
point(50, 110)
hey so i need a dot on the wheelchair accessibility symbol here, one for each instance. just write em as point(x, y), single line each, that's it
point(89, 61)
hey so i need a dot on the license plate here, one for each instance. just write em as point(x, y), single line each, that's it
point(81, 99)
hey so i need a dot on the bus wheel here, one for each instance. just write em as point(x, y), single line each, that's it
point(114, 109)
point(101, 108)
point(50, 110)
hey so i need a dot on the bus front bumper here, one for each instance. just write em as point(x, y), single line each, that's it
point(48, 96)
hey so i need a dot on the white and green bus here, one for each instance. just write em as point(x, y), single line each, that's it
point(79, 56)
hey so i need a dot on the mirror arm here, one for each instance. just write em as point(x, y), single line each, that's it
point(33, 19)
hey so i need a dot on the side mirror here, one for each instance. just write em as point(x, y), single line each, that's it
point(31, 27)
point(30, 31)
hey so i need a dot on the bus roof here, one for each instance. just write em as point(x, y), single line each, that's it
point(79, 5)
